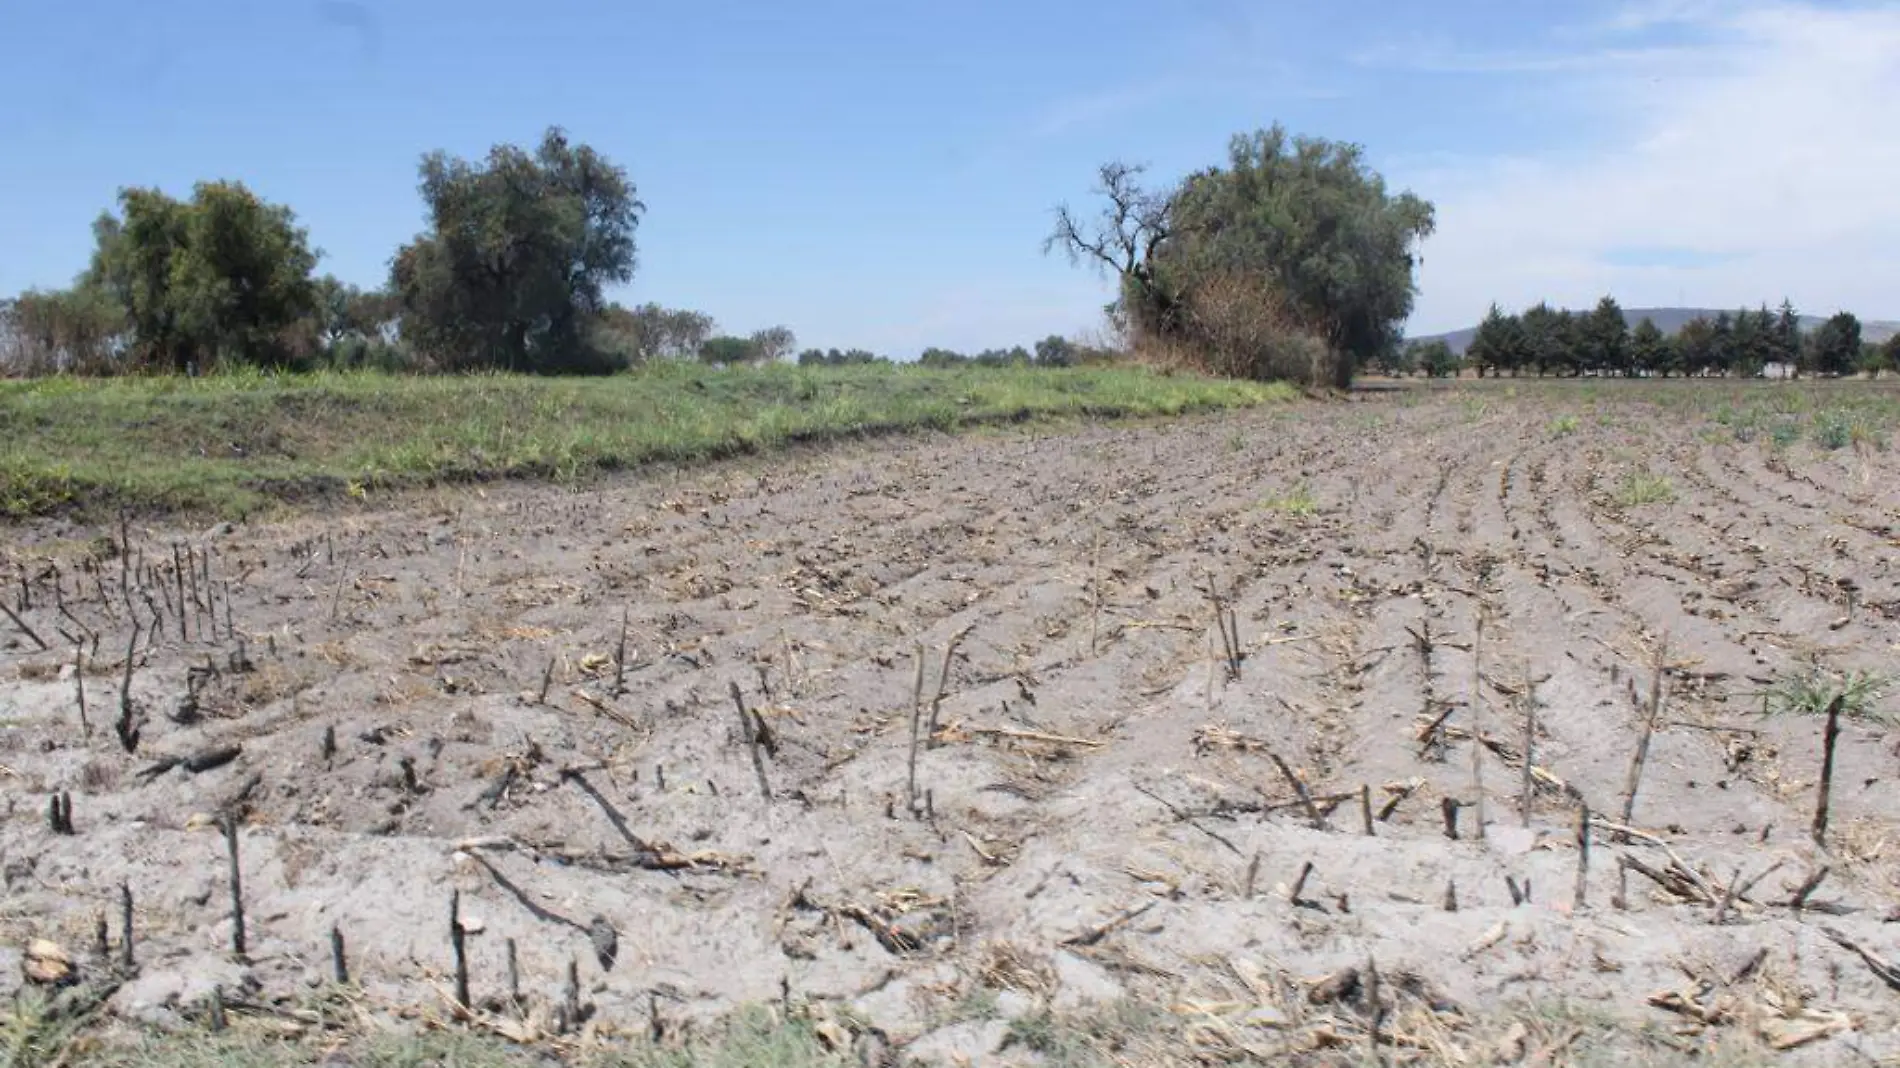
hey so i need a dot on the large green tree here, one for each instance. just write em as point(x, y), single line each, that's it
point(1499, 344)
point(1787, 337)
point(1833, 348)
point(520, 248)
point(1549, 339)
point(1698, 346)
point(1293, 236)
point(1605, 336)
point(220, 278)
point(1651, 351)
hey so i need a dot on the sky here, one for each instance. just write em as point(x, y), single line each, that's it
point(881, 173)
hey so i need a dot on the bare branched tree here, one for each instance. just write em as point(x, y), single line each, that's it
point(1123, 240)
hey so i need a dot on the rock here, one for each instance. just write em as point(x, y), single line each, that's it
point(972, 1042)
point(1082, 983)
point(901, 1006)
point(47, 963)
point(1014, 1004)
point(1510, 841)
point(155, 997)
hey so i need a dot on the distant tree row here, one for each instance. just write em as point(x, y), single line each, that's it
point(510, 274)
point(1052, 351)
point(1745, 344)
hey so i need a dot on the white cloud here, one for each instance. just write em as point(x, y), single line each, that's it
point(1766, 145)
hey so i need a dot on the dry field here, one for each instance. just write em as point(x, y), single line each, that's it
point(1002, 789)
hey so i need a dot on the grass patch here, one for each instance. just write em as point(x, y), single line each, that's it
point(1296, 501)
point(1832, 430)
point(234, 445)
point(752, 1038)
point(1810, 691)
point(1563, 426)
point(1644, 487)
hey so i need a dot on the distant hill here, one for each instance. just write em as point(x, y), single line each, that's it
point(1670, 320)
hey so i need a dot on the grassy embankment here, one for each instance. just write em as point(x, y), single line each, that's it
point(235, 445)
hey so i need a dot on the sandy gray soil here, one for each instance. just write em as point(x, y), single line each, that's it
point(1100, 812)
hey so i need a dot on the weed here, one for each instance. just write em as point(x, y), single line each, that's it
point(1784, 433)
point(1809, 692)
point(1108, 1036)
point(41, 1028)
point(1297, 501)
point(752, 1038)
point(1563, 426)
point(1831, 430)
point(1645, 487)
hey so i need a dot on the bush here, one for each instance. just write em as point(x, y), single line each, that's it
point(1234, 326)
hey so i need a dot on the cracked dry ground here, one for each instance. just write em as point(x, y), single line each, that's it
point(1100, 813)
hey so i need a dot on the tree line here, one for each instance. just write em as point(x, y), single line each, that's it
point(510, 273)
point(1744, 344)
point(1290, 261)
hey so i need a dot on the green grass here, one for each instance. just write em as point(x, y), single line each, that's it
point(754, 1038)
point(1644, 487)
point(1810, 691)
point(1298, 500)
point(234, 445)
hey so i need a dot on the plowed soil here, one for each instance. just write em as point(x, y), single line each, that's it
point(1105, 808)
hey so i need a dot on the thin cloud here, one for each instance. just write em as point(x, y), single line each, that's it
point(1438, 58)
point(1099, 108)
point(1766, 144)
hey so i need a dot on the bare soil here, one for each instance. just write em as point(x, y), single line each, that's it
point(1100, 812)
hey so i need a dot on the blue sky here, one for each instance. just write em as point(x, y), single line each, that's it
point(881, 173)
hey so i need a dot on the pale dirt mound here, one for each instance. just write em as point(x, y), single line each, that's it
point(1100, 813)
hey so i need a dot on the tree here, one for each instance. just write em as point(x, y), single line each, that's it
point(1497, 345)
point(1548, 339)
point(936, 357)
point(1695, 346)
point(773, 344)
point(355, 327)
point(835, 358)
point(1752, 342)
point(1787, 338)
point(1433, 357)
point(728, 351)
point(1890, 353)
point(1016, 356)
point(221, 277)
point(1606, 339)
point(519, 250)
point(81, 330)
point(1873, 360)
point(651, 332)
point(1123, 239)
point(1720, 354)
point(1294, 237)
point(1650, 351)
point(1055, 351)
point(1398, 362)
point(1834, 346)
